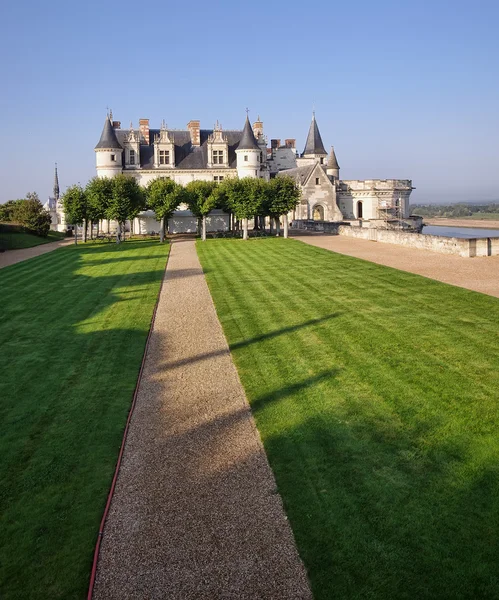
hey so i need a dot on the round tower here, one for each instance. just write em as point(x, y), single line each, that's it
point(333, 168)
point(108, 152)
point(248, 154)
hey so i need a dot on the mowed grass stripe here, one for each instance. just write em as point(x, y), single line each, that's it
point(376, 395)
point(73, 346)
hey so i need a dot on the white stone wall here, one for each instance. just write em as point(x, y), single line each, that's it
point(282, 158)
point(249, 167)
point(106, 167)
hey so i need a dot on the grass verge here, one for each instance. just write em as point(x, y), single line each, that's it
point(73, 327)
point(376, 395)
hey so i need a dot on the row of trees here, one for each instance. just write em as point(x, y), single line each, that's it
point(28, 213)
point(122, 198)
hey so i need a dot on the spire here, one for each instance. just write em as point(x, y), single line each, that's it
point(56, 184)
point(332, 163)
point(248, 140)
point(314, 143)
point(108, 139)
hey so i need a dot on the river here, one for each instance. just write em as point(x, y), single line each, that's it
point(460, 232)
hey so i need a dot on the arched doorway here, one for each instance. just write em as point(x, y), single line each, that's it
point(359, 210)
point(318, 214)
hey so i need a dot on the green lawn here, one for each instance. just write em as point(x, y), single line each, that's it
point(376, 393)
point(73, 326)
point(15, 240)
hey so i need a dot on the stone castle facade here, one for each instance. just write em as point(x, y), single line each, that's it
point(215, 154)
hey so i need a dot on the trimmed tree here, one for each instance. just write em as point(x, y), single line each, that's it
point(245, 199)
point(283, 196)
point(127, 200)
point(75, 205)
point(201, 197)
point(163, 197)
point(99, 191)
point(31, 215)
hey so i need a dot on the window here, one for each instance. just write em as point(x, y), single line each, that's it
point(322, 160)
point(317, 181)
point(164, 157)
point(245, 158)
point(218, 157)
point(132, 157)
point(261, 157)
point(113, 157)
point(218, 178)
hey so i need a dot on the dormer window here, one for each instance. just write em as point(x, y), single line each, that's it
point(164, 157)
point(132, 157)
point(218, 157)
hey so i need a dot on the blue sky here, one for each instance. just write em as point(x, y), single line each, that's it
point(401, 89)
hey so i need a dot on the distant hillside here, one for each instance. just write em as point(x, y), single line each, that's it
point(489, 210)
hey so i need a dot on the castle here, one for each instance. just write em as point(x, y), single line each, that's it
point(215, 154)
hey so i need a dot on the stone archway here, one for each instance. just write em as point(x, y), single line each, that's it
point(318, 213)
point(360, 210)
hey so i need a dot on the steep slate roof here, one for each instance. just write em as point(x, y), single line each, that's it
point(108, 139)
point(186, 155)
point(300, 174)
point(248, 140)
point(314, 143)
point(332, 163)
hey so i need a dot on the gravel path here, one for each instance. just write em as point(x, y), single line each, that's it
point(11, 257)
point(196, 513)
point(480, 274)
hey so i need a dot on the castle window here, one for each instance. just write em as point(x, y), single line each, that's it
point(317, 181)
point(218, 157)
point(261, 157)
point(218, 178)
point(113, 157)
point(322, 160)
point(246, 158)
point(132, 157)
point(164, 157)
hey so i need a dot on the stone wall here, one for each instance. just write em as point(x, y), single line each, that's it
point(435, 243)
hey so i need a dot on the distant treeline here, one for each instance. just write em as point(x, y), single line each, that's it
point(465, 209)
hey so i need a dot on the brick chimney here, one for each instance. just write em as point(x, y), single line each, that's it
point(116, 124)
point(144, 129)
point(258, 128)
point(290, 143)
point(194, 128)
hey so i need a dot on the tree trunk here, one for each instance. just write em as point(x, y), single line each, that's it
point(285, 219)
point(118, 239)
point(255, 224)
point(98, 226)
point(76, 234)
point(85, 227)
point(162, 230)
point(271, 223)
point(277, 226)
point(231, 218)
point(245, 229)
point(203, 237)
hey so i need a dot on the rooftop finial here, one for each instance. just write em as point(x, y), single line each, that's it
point(111, 115)
point(247, 111)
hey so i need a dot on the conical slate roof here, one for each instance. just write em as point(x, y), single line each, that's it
point(332, 163)
point(248, 140)
point(108, 139)
point(314, 143)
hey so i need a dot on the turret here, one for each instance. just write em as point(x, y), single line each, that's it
point(333, 168)
point(248, 153)
point(314, 148)
point(108, 152)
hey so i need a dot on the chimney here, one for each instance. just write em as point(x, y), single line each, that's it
point(258, 128)
point(275, 144)
point(195, 131)
point(290, 143)
point(116, 124)
point(144, 130)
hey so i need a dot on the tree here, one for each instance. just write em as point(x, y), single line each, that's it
point(7, 210)
point(126, 201)
point(202, 199)
point(99, 191)
point(31, 215)
point(244, 199)
point(75, 204)
point(283, 196)
point(163, 197)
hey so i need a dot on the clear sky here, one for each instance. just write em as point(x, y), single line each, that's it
point(402, 89)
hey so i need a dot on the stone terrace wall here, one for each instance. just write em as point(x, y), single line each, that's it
point(435, 243)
